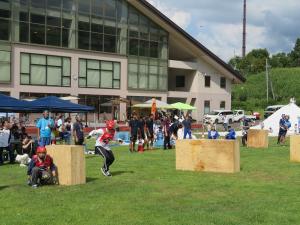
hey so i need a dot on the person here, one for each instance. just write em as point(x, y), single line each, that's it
point(150, 131)
point(68, 131)
point(231, 134)
point(167, 134)
point(27, 146)
point(159, 138)
point(60, 127)
point(287, 125)
point(15, 138)
point(141, 129)
point(245, 127)
point(5, 135)
point(140, 143)
point(225, 123)
point(134, 126)
point(187, 124)
point(78, 133)
point(44, 125)
point(104, 136)
point(41, 169)
point(281, 129)
point(213, 133)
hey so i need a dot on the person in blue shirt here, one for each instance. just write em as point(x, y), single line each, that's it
point(286, 126)
point(213, 133)
point(281, 129)
point(44, 125)
point(231, 134)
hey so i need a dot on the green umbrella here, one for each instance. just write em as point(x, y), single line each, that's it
point(183, 106)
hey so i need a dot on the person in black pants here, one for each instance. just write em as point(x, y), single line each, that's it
point(150, 131)
point(167, 134)
point(78, 131)
point(5, 135)
point(134, 127)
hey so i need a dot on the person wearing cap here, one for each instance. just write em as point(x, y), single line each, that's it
point(78, 133)
point(44, 125)
point(41, 170)
point(103, 137)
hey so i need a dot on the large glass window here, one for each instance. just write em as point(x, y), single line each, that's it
point(4, 66)
point(45, 70)
point(99, 74)
point(5, 20)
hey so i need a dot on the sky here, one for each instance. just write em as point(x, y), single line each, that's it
point(217, 24)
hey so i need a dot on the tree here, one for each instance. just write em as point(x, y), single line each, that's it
point(295, 54)
point(280, 60)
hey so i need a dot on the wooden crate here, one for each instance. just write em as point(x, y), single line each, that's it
point(208, 155)
point(295, 148)
point(258, 138)
point(70, 162)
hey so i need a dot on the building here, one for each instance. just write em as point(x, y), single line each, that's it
point(106, 50)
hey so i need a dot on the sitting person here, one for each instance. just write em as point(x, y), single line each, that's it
point(41, 169)
point(231, 134)
point(213, 133)
point(27, 146)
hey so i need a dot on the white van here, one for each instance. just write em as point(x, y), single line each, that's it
point(217, 116)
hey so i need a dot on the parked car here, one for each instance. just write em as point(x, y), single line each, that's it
point(239, 114)
point(271, 109)
point(217, 116)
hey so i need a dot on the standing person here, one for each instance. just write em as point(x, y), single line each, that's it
point(44, 125)
point(60, 127)
point(104, 136)
point(245, 128)
point(15, 139)
point(287, 126)
point(141, 131)
point(134, 126)
point(68, 131)
point(78, 133)
point(187, 123)
point(150, 131)
point(167, 134)
point(5, 135)
point(281, 129)
point(225, 123)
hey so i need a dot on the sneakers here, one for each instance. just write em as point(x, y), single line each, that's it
point(34, 186)
point(105, 173)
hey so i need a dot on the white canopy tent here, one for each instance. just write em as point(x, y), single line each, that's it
point(272, 122)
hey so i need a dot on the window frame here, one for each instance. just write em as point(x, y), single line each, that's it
point(223, 82)
point(207, 78)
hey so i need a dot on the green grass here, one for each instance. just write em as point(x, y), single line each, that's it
point(146, 189)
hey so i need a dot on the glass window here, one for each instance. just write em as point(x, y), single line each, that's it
point(117, 72)
point(106, 79)
point(4, 13)
point(83, 40)
point(53, 36)
point(25, 79)
point(98, 8)
point(38, 75)
point(54, 61)
point(154, 49)
point(82, 68)
point(37, 34)
point(38, 59)
point(206, 107)
point(38, 3)
point(53, 21)
point(93, 64)
point(36, 18)
point(24, 34)
point(4, 29)
point(110, 8)
point(153, 82)
point(180, 81)
point(143, 81)
point(54, 4)
point(24, 16)
point(106, 65)
point(109, 43)
point(93, 78)
point(223, 82)
point(84, 6)
point(4, 66)
point(132, 80)
point(25, 62)
point(144, 48)
point(133, 47)
point(54, 76)
point(66, 67)
point(222, 105)
point(67, 5)
point(207, 81)
point(97, 42)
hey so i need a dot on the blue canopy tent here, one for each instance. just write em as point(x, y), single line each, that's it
point(55, 104)
point(10, 104)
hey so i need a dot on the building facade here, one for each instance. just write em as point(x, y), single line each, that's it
point(105, 50)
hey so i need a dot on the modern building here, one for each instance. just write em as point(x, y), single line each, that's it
point(104, 51)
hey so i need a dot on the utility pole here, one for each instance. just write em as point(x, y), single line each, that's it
point(244, 30)
point(267, 79)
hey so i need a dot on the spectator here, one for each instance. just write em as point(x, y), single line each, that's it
point(27, 146)
point(67, 131)
point(78, 133)
point(286, 126)
point(213, 133)
point(134, 127)
point(187, 124)
point(141, 131)
point(167, 134)
point(150, 131)
point(41, 169)
point(231, 134)
point(225, 123)
point(245, 128)
point(60, 127)
point(281, 129)
point(5, 135)
point(44, 125)
point(15, 139)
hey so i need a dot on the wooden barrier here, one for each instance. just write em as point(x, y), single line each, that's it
point(258, 138)
point(208, 155)
point(295, 148)
point(70, 162)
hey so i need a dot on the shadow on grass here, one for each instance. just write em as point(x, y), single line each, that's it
point(91, 179)
point(3, 187)
point(116, 173)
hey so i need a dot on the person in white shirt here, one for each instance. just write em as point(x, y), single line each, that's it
point(5, 142)
point(225, 123)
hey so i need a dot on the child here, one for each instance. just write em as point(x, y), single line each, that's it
point(159, 138)
point(213, 133)
point(231, 134)
point(41, 169)
point(104, 135)
point(140, 144)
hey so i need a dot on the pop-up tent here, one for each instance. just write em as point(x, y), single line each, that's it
point(183, 106)
point(272, 122)
point(10, 104)
point(55, 104)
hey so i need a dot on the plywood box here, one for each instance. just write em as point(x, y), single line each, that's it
point(258, 138)
point(295, 148)
point(70, 162)
point(208, 155)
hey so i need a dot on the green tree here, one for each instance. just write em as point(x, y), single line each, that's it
point(295, 54)
point(280, 60)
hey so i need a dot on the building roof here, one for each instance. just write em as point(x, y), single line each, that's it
point(192, 40)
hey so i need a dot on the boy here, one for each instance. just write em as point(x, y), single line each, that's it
point(231, 134)
point(41, 169)
point(104, 135)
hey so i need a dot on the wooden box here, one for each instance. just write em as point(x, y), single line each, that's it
point(295, 148)
point(258, 138)
point(208, 155)
point(70, 163)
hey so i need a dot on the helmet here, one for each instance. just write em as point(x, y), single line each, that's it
point(41, 149)
point(110, 124)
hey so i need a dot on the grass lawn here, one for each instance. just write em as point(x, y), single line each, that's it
point(146, 189)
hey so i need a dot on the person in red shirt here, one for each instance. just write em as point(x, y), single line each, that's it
point(41, 169)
